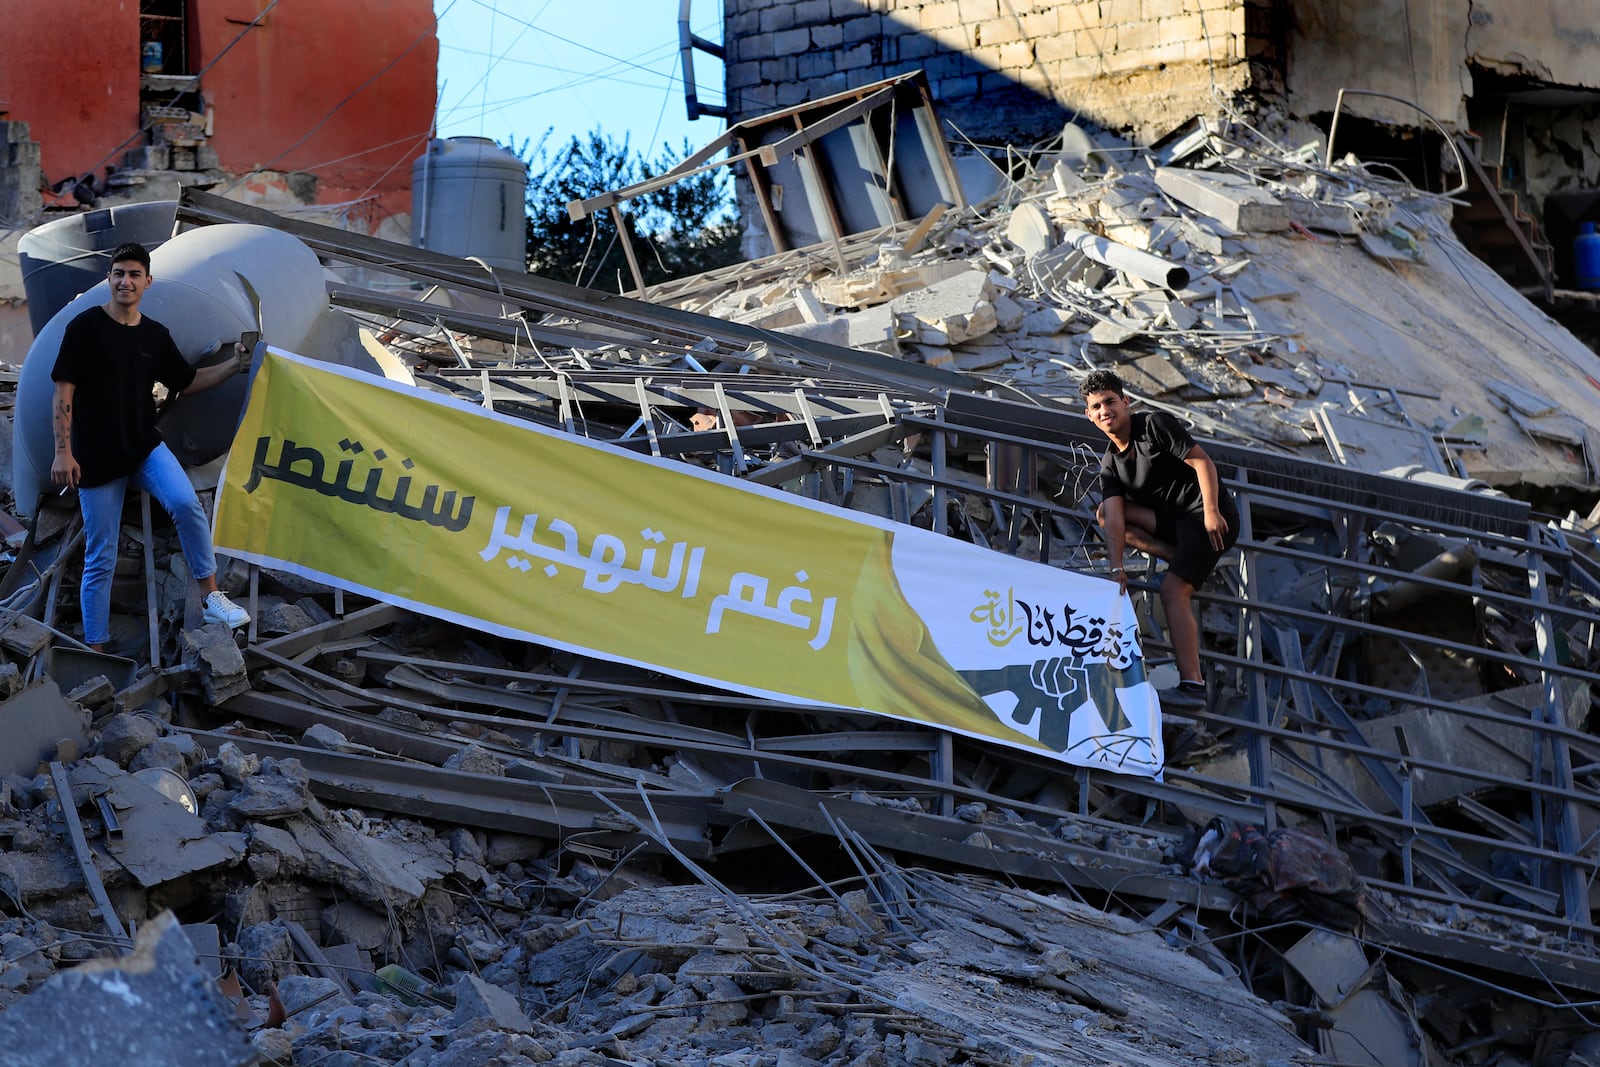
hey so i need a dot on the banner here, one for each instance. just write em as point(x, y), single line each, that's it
point(457, 512)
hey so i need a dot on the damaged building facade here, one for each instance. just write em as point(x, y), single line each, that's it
point(290, 103)
point(1517, 80)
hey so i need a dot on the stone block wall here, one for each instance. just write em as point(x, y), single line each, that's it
point(20, 199)
point(1001, 70)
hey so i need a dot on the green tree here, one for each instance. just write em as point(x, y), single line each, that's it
point(685, 228)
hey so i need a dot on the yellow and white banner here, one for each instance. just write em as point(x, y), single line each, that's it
point(457, 512)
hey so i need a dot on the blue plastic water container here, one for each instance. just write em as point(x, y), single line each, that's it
point(1586, 256)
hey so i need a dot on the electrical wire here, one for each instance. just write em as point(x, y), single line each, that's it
point(460, 114)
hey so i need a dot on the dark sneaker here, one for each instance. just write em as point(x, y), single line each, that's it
point(220, 609)
point(1182, 696)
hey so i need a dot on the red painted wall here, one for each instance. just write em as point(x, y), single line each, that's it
point(70, 69)
point(280, 93)
point(339, 89)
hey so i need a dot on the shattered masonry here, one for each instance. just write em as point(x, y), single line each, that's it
point(404, 842)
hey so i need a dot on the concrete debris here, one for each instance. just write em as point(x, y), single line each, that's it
point(211, 653)
point(488, 1007)
point(1234, 201)
point(158, 840)
point(426, 846)
point(154, 1005)
point(36, 723)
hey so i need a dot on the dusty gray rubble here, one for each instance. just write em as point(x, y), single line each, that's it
point(1270, 297)
point(391, 839)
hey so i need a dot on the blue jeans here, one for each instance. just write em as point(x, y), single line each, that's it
point(161, 475)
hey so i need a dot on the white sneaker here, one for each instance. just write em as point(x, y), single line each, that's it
point(220, 609)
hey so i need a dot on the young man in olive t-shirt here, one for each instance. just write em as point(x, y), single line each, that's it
point(104, 417)
point(1161, 494)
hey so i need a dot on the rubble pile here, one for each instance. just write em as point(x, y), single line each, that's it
point(1264, 295)
point(362, 836)
point(358, 935)
point(389, 852)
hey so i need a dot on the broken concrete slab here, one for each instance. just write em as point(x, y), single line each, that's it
point(125, 735)
point(97, 692)
point(207, 942)
point(347, 922)
point(949, 312)
point(25, 636)
point(1372, 445)
point(1138, 383)
point(489, 1006)
point(832, 332)
point(982, 355)
point(1258, 283)
point(1232, 199)
point(34, 723)
point(280, 617)
point(11, 682)
point(271, 796)
point(869, 287)
point(1330, 217)
point(160, 840)
point(298, 993)
point(266, 953)
point(384, 874)
point(1283, 379)
point(1523, 400)
point(1117, 328)
point(1390, 246)
point(873, 329)
point(1161, 370)
point(1046, 321)
point(155, 1005)
point(39, 873)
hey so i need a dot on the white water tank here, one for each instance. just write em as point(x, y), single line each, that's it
point(467, 196)
point(210, 284)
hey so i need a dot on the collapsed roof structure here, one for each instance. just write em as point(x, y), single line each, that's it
point(1401, 656)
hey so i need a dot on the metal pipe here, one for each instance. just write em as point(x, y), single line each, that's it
point(1143, 265)
point(1338, 109)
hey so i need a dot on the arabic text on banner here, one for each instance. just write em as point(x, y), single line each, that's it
point(467, 515)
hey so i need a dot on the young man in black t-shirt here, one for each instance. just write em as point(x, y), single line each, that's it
point(1161, 494)
point(104, 417)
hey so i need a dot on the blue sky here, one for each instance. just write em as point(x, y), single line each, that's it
point(511, 69)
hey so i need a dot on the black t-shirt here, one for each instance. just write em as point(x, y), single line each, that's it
point(1152, 471)
point(113, 369)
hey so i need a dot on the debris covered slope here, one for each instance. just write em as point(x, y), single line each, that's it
point(386, 838)
point(1321, 310)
